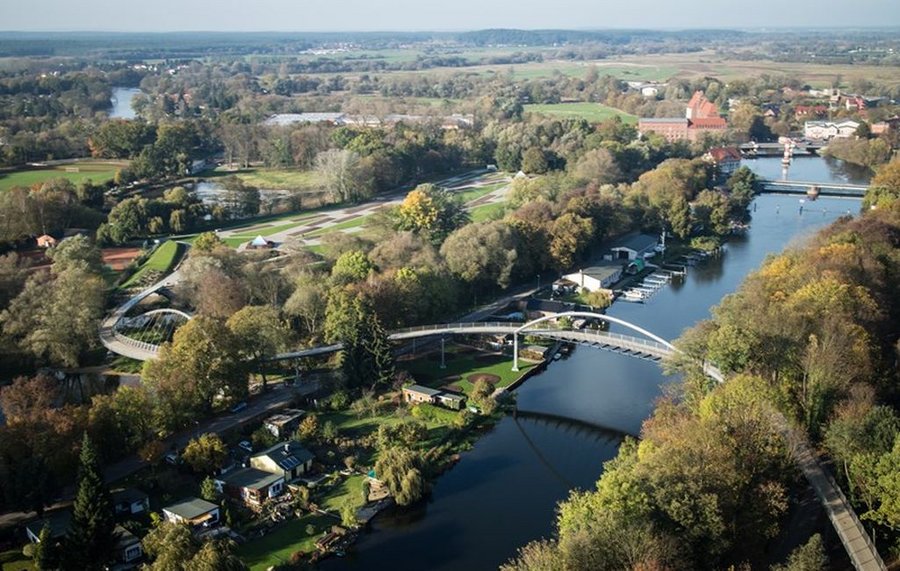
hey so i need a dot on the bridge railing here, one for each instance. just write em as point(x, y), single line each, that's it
point(463, 325)
point(607, 335)
point(142, 345)
point(512, 327)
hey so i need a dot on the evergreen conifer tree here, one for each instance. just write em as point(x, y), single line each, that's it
point(46, 554)
point(381, 353)
point(91, 538)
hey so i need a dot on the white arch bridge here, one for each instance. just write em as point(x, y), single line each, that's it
point(649, 346)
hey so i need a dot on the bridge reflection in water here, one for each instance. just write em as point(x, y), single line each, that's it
point(570, 426)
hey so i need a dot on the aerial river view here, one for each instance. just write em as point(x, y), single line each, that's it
point(573, 416)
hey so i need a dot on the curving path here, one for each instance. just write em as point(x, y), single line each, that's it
point(125, 346)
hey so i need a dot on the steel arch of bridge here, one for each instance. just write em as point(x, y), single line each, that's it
point(588, 314)
point(173, 311)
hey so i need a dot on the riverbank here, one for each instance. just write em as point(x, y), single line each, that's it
point(447, 436)
point(519, 470)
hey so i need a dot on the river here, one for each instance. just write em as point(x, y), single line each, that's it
point(121, 103)
point(503, 493)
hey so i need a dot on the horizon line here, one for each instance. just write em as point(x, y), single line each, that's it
point(461, 30)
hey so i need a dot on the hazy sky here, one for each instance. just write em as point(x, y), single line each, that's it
point(336, 15)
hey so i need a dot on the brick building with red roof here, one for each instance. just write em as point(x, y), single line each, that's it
point(701, 116)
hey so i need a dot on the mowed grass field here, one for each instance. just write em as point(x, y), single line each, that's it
point(162, 261)
point(594, 112)
point(96, 171)
point(462, 363)
point(271, 179)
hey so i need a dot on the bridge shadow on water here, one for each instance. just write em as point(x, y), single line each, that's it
point(567, 426)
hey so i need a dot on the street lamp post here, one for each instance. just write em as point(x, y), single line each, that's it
point(515, 366)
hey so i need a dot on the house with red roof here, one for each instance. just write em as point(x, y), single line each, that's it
point(725, 160)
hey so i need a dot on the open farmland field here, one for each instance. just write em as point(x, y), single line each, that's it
point(710, 64)
point(626, 71)
point(664, 67)
point(594, 112)
point(96, 171)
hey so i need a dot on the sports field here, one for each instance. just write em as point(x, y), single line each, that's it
point(96, 171)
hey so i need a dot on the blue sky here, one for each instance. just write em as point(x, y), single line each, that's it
point(339, 15)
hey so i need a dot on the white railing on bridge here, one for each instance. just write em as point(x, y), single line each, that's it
point(142, 345)
point(772, 183)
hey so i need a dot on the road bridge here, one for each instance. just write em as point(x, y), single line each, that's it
point(805, 188)
point(754, 149)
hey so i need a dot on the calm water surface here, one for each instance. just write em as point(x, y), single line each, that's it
point(121, 103)
point(503, 493)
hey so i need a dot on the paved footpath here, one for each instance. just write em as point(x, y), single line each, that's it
point(328, 218)
point(856, 541)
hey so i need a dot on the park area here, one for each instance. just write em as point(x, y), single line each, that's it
point(160, 263)
point(463, 365)
point(271, 178)
point(78, 172)
point(593, 112)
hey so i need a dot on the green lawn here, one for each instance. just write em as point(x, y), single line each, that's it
point(13, 560)
point(594, 112)
point(354, 426)
point(346, 225)
point(125, 365)
point(237, 239)
point(161, 261)
point(486, 211)
point(96, 171)
point(470, 194)
point(278, 179)
point(427, 370)
point(277, 547)
point(349, 490)
point(266, 230)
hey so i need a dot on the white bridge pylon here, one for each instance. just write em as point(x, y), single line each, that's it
point(588, 314)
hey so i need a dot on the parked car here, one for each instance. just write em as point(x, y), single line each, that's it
point(245, 445)
point(239, 406)
point(172, 458)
